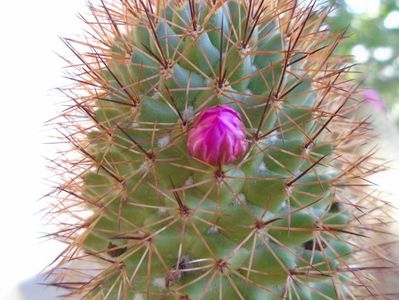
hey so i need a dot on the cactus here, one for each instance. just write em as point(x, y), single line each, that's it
point(217, 156)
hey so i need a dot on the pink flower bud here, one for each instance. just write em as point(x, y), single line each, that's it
point(217, 136)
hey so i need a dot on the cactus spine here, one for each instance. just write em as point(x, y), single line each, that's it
point(276, 212)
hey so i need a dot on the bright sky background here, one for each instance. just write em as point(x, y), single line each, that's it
point(29, 69)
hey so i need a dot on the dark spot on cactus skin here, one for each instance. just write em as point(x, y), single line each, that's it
point(335, 207)
point(175, 274)
point(184, 263)
point(309, 245)
point(114, 250)
point(172, 276)
point(152, 156)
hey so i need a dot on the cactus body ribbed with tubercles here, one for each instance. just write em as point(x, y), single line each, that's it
point(218, 155)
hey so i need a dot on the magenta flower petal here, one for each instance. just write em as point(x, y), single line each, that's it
point(217, 136)
point(373, 97)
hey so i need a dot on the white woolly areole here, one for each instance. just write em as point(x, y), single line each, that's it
point(162, 210)
point(306, 152)
point(262, 167)
point(156, 95)
point(159, 283)
point(273, 138)
point(241, 198)
point(288, 189)
point(188, 113)
point(248, 93)
point(189, 181)
point(138, 297)
point(134, 124)
point(144, 167)
point(163, 141)
point(213, 230)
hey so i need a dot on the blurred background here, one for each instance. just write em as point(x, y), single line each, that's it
point(30, 70)
point(373, 40)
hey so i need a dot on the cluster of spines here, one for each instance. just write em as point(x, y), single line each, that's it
point(129, 127)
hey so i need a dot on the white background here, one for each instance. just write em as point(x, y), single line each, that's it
point(29, 70)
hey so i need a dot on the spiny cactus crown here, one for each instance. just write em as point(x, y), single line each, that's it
point(217, 155)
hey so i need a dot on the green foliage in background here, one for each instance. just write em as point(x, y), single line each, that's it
point(373, 32)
